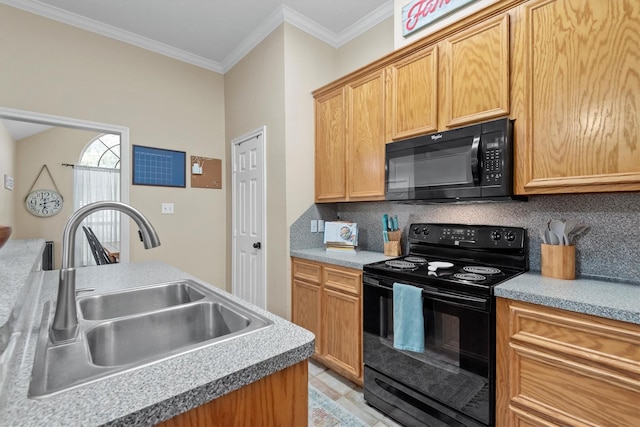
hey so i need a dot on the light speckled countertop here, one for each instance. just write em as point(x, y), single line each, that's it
point(350, 260)
point(156, 392)
point(612, 300)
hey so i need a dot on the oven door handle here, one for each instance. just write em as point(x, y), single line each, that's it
point(475, 145)
point(458, 300)
point(467, 301)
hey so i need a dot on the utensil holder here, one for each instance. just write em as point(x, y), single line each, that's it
point(558, 261)
point(394, 246)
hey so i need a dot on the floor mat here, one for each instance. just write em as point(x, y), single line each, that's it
point(324, 412)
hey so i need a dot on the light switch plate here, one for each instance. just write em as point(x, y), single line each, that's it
point(321, 226)
point(8, 182)
point(167, 208)
point(314, 226)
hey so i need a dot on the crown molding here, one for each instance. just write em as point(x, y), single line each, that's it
point(272, 22)
point(280, 15)
point(93, 26)
point(366, 23)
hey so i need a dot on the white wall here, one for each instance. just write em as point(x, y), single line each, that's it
point(7, 158)
point(49, 67)
point(366, 48)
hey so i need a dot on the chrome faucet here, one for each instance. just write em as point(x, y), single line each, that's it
point(65, 321)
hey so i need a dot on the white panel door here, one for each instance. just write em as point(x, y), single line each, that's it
point(248, 218)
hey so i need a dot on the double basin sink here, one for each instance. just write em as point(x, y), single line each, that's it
point(135, 327)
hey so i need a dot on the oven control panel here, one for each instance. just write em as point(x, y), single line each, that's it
point(464, 235)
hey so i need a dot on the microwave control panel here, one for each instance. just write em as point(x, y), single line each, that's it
point(492, 169)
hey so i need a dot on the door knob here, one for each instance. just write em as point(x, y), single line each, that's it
point(257, 245)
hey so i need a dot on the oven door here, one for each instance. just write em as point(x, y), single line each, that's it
point(445, 168)
point(452, 382)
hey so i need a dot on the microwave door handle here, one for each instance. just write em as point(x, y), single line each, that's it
point(474, 159)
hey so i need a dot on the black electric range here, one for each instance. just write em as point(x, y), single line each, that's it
point(461, 258)
point(451, 380)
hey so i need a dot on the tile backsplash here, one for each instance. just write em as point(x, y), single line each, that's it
point(610, 249)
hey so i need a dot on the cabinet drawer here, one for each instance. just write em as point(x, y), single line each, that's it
point(596, 341)
point(307, 270)
point(343, 279)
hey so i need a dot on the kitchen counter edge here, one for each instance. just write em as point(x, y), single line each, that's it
point(351, 260)
point(157, 392)
point(611, 300)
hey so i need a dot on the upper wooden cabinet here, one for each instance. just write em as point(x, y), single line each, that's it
point(331, 151)
point(365, 138)
point(412, 94)
point(577, 97)
point(463, 79)
point(350, 141)
point(475, 73)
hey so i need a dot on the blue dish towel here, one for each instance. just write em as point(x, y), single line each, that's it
point(408, 321)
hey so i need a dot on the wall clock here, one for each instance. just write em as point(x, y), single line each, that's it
point(44, 203)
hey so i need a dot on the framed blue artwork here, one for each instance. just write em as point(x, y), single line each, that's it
point(160, 167)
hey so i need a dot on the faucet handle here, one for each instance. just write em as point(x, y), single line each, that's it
point(79, 291)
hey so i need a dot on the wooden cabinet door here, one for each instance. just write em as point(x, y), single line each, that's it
point(306, 309)
point(306, 297)
point(475, 66)
point(331, 152)
point(412, 95)
point(365, 138)
point(555, 367)
point(342, 344)
point(580, 126)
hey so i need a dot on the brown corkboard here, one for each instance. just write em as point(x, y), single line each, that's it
point(206, 172)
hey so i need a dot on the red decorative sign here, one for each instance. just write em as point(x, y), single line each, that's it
point(419, 13)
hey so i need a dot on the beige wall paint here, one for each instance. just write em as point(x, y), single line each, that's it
point(7, 159)
point(254, 92)
point(52, 68)
point(366, 48)
point(31, 154)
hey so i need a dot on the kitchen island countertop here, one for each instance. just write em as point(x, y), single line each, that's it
point(611, 300)
point(156, 392)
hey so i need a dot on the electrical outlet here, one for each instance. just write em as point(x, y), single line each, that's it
point(314, 226)
point(8, 182)
point(321, 226)
point(167, 208)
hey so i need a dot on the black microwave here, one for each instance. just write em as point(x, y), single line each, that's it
point(472, 163)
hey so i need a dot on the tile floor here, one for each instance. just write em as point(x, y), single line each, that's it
point(346, 394)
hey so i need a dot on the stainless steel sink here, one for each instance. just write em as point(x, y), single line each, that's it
point(137, 300)
point(126, 330)
point(137, 338)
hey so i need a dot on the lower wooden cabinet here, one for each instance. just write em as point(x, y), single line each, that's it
point(280, 399)
point(559, 368)
point(327, 300)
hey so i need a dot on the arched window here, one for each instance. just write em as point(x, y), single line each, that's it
point(97, 178)
point(102, 152)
